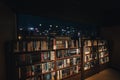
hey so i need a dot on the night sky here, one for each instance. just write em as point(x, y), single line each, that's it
point(43, 26)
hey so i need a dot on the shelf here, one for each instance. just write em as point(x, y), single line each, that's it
point(69, 67)
point(88, 53)
point(47, 72)
point(39, 74)
point(90, 68)
point(70, 76)
point(91, 53)
point(47, 61)
point(74, 48)
point(91, 60)
point(88, 46)
point(104, 63)
point(31, 64)
point(101, 45)
point(62, 49)
point(27, 77)
point(87, 69)
point(69, 57)
point(104, 56)
point(32, 52)
point(103, 51)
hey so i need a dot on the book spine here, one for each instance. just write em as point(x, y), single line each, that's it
point(58, 75)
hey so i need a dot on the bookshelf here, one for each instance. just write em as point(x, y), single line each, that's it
point(95, 56)
point(57, 57)
point(103, 51)
point(47, 58)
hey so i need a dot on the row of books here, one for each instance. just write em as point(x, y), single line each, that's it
point(25, 59)
point(38, 69)
point(67, 72)
point(91, 64)
point(61, 74)
point(87, 50)
point(30, 46)
point(94, 42)
point(66, 53)
point(33, 73)
point(48, 76)
point(90, 57)
point(90, 42)
point(104, 60)
point(44, 45)
point(102, 42)
point(61, 44)
point(68, 62)
point(103, 54)
point(102, 48)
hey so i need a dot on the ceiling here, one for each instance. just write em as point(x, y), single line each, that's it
point(100, 12)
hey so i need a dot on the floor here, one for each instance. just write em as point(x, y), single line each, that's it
point(108, 74)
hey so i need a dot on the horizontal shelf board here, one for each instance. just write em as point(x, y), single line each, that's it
point(104, 63)
point(69, 57)
point(91, 60)
point(47, 72)
point(68, 67)
point(36, 63)
point(103, 51)
point(90, 68)
point(101, 45)
point(71, 76)
point(104, 56)
point(32, 52)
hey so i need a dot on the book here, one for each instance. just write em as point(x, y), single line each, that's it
point(58, 75)
point(52, 55)
point(47, 76)
point(44, 45)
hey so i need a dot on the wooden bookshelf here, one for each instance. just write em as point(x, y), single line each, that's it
point(56, 58)
point(103, 54)
point(95, 56)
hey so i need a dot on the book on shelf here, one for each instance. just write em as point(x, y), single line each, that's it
point(104, 60)
point(59, 53)
point(87, 66)
point(47, 67)
point(25, 72)
point(63, 73)
point(61, 44)
point(101, 48)
point(101, 42)
point(87, 50)
point(52, 55)
point(73, 52)
point(27, 46)
point(73, 43)
point(36, 45)
point(47, 55)
point(88, 43)
point(48, 76)
point(30, 46)
point(95, 42)
point(60, 64)
point(44, 45)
